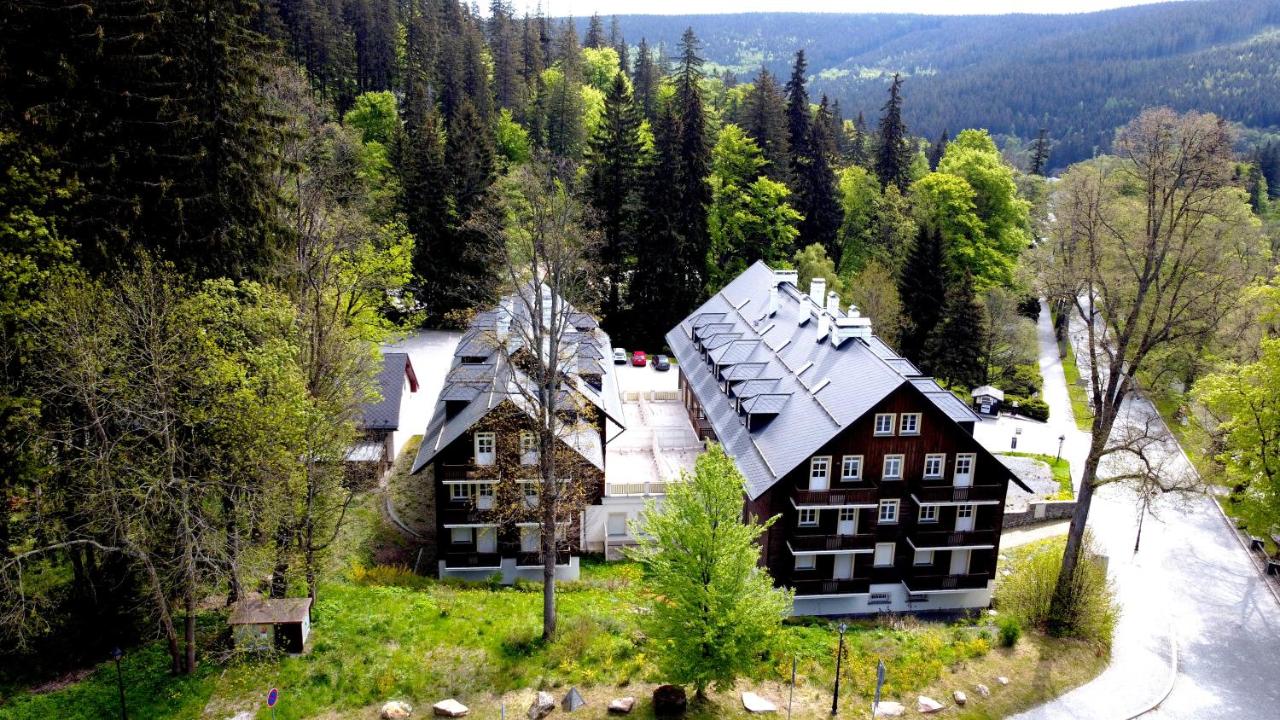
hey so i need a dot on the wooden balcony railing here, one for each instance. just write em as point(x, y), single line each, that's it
point(812, 543)
point(534, 559)
point(464, 471)
point(629, 489)
point(925, 539)
point(465, 560)
point(953, 493)
point(925, 583)
point(828, 586)
point(839, 496)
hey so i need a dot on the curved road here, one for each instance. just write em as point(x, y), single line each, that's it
point(1191, 586)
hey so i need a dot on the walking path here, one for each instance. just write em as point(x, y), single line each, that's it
point(1198, 631)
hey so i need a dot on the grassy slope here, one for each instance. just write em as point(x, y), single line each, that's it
point(384, 633)
point(1079, 396)
point(1061, 472)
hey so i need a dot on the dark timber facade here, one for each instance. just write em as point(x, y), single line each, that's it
point(885, 500)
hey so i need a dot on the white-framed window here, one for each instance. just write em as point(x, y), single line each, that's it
point(909, 424)
point(460, 536)
point(460, 492)
point(808, 517)
point(819, 470)
point(851, 467)
point(486, 448)
point(528, 448)
point(884, 554)
point(892, 467)
point(964, 465)
point(878, 599)
point(888, 512)
point(805, 562)
point(884, 424)
point(933, 465)
point(923, 557)
point(530, 539)
point(964, 511)
point(530, 489)
point(928, 513)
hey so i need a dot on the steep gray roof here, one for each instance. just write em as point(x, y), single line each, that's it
point(384, 413)
point(791, 388)
point(473, 389)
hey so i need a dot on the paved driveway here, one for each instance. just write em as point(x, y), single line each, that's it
point(1190, 586)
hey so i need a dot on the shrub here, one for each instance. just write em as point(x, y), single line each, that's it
point(1029, 307)
point(1023, 380)
point(1026, 594)
point(1033, 408)
point(1010, 631)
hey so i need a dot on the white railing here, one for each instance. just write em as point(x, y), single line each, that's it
point(633, 489)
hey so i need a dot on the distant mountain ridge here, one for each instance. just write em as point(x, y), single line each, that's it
point(1079, 76)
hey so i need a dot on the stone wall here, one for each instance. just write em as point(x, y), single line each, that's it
point(1040, 511)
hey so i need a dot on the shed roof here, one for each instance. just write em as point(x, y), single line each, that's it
point(384, 413)
point(269, 611)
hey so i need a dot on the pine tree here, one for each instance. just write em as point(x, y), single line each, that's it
point(563, 121)
point(373, 23)
point(798, 119)
point(893, 154)
point(935, 152)
point(692, 192)
point(532, 63)
point(651, 291)
point(922, 289)
point(766, 123)
point(1040, 155)
point(858, 153)
point(612, 186)
point(840, 145)
point(953, 350)
point(645, 78)
point(595, 33)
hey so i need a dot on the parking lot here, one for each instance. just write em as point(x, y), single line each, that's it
point(659, 441)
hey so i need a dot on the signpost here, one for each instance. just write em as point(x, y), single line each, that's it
point(272, 697)
point(875, 704)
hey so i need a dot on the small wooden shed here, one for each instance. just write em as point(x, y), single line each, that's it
point(987, 400)
point(265, 623)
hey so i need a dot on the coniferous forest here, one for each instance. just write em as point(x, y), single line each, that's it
point(213, 211)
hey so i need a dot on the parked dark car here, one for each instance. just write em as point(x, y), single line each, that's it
point(661, 363)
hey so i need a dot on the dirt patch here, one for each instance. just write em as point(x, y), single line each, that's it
point(63, 681)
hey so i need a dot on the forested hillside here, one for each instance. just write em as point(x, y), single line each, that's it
point(1078, 76)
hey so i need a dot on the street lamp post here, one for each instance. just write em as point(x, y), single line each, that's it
point(116, 654)
point(1061, 439)
point(835, 695)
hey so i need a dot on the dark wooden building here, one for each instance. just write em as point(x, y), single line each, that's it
point(886, 500)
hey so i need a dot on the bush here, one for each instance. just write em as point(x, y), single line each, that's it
point(1029, 307)
point(1023, 380)
point(1033, 408)
point(1026, 594)
point(1010, 631)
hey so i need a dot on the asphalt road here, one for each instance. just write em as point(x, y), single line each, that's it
point(1190, 590)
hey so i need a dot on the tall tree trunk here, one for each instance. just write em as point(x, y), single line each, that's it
point(189, 666)
point(166, 616)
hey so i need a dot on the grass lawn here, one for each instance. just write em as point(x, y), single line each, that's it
point(1061, 472)
point(1079, 396)
point(382, 633)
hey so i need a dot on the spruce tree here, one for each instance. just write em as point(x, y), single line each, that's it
point(612, 187)
point(563, 121)
point(953, 350)
point(839, 140)
point(373, 24)
point(645, 78)
point(531, 66)
point(766, 123)
point(935, 152)
point(619, 44)
point(893, 154)
point(816, 189)
point(660, 277)
point(692, 193)
point(595, 33)
point(507, 76)
point(1040, 154)
point(798, 111)
point(922, 289)
point(858, 153)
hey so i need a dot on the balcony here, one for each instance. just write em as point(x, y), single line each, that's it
point(635, 489)
point(464, 471)
point(928, 583)
point(823, 543)
point(828, 586)
point(838, 497)
point(534, 559)
point(943, 539)
point(958, 494)
point(472, 561)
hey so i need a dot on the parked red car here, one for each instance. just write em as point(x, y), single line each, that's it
point(639, 359)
